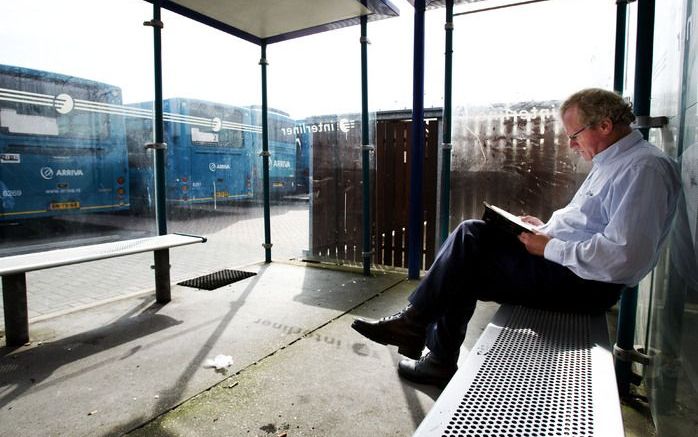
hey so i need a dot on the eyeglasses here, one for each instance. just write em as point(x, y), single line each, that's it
point(574, 136)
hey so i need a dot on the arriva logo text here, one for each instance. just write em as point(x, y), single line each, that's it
point(213, 166)
point(69, 172)
point(280, 164)
point(48, 173)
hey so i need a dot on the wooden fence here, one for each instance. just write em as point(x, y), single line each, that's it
point(518, 160)
point(337, 188)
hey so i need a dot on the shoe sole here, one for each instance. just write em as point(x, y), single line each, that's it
point(406, 351)
point(438, 382)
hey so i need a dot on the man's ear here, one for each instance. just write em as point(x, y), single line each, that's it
point(605, 126)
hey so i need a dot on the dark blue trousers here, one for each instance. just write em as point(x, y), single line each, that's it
point(478, 262)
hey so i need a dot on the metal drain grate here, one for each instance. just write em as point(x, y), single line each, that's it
point(216, 279)
point(535, 381)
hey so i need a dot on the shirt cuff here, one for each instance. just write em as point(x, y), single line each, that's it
point(554, 251)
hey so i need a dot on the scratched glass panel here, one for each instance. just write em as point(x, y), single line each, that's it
point(65, 171)
point(509, 147)
point(670, 298)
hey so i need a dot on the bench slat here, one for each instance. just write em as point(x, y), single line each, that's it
point(60, 257)
point(532, 372)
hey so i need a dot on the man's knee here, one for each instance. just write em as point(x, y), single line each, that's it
point(470, 227)
point(464, 241)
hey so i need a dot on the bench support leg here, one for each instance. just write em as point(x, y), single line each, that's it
point(14, 299)
point(162, 275)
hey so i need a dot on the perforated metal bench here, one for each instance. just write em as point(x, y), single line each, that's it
point(13, 270)
point(532, 373)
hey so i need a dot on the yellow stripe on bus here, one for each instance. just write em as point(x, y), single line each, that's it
point(39, 211)
point(104, 206)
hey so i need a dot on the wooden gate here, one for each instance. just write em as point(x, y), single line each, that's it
point(336, 198)
point(392, 182)
point(336, 202)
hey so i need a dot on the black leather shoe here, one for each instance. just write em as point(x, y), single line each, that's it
point(406, 330)
point(427, 370)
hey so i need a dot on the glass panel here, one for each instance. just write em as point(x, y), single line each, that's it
point(670, 299)
point(509, 148)
point(64, 160)
point(66, 168)
point(212, 127)
point(315, 145)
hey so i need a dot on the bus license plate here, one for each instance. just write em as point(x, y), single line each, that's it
point(64, 205)
point(222, 194)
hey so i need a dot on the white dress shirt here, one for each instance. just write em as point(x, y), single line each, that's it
point(615, 225)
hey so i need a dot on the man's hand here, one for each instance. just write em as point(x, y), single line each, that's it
point(535, 243)
point(535, 221)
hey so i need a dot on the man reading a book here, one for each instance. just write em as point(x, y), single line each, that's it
point(608, 236)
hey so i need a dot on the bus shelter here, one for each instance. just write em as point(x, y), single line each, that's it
point(264, 24)
point(641, 106)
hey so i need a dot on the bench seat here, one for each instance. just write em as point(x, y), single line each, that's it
point(532, 373)
point(13, 270)
point(92, 252)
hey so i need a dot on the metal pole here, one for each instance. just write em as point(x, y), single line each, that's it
point(365, 151)
point(619, 67)
point(643, 92)
point(160, 193)
point(643, 60)
point(14, 299)
point(625, 338)
point(265, 157)
point(445, 205)
point(162, 256)
point(414, 242)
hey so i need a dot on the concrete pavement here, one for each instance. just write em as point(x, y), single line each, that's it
point(117, 368)
point(134, 367)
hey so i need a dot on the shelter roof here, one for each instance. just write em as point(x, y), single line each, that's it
point(270, 21)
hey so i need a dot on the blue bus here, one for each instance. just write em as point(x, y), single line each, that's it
point(208, 159)
point(62, 145)
point(283, 149)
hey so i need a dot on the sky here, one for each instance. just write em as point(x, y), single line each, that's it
point(540, 51)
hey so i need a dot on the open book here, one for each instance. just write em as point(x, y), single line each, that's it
point(505, 220)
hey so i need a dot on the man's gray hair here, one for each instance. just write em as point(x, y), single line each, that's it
point(596, 104)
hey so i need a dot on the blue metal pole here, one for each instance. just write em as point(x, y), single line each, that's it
point(619, 66)
point(643, 92)
point(445, 199)
point(161, 257)
point(643, 60)
point(365, 150)
point(265, 157)
point(416, 216)
point(160, 193)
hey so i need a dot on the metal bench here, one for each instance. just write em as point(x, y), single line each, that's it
point(13, 270)
point(532, 373)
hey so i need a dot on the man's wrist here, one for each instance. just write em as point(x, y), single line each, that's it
point(554, 250)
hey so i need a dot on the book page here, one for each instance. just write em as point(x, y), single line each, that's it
point(511, 217)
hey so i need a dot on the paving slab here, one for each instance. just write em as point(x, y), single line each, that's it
point(332, 382)
point(131, 366)
point(108, 369)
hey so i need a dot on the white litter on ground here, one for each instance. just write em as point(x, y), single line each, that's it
point(219, 362)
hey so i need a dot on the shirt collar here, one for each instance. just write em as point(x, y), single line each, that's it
point(618, 147)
